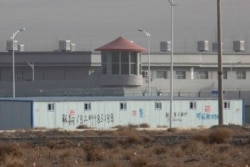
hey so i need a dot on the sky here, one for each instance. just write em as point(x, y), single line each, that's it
point(93, 23)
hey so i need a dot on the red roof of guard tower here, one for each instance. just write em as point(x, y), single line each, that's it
point(121, 44)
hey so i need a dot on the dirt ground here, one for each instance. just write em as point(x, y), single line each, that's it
point(227, 146)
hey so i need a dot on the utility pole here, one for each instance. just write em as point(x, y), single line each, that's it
point(220, 68)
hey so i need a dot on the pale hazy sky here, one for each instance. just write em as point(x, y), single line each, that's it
point(92, 23)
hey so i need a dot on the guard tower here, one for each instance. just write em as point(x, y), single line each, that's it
point(121, 63)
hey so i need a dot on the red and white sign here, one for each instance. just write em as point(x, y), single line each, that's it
point(72, 112)
point(134, 113)
point(207, 108)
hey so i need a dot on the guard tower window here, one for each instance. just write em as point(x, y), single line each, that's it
point(124, 63)
point(115, 62)
point(133, 63)
point(104, 62)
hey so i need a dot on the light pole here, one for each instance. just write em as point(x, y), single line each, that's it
point(13, 61)
point(171, 59)
point(148, 35)
point(33, 70)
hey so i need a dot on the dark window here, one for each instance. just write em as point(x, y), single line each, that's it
point(123, 106)
point(87, 106)
point(226, 105)
point(51, 107)
point(192, 105)
point(158, 105)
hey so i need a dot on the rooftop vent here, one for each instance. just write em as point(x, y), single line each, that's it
point(203, 46)
point(215, 46)
point(165, 46)
point(21, 47)
point(9, 45)
point(239, 46)
point(64, 45)
point(73, 47)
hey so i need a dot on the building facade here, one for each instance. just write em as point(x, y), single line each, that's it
point(84, 73)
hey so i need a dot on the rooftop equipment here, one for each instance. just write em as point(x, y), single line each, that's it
point(64, 46)
point(239, 46)
point(215, 47)
point(165, 46)
point(21, 47)
point(9, 45)
point(73, 47)
point(203, 46)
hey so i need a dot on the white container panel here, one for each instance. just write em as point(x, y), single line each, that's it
point(207, 113)
point(233, 115)
point(108, 114)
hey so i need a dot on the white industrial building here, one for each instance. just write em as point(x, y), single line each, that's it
point(107, 112)
point(120, 68)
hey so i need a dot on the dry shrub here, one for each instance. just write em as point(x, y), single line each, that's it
point(52, 144)
point(83, 127)
point(127, 154)
point(192, 147)
point(94, 153)
point(172, 130)
point(144, 125)
point(113, 163)
point(13, 161)
point(139, 162)
point(105, 133)
point(224, 148)
point(133, 126)
point(201, 136)
point(147, 138)
point(131, 135)
point(5, 148)
point(220, 135)
point(159, 149)
point(10, 156)
point(178, 152)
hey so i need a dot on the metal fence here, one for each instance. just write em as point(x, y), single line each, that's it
point(120, 92)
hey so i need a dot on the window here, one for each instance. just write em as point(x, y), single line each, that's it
point(180, 75)
point(124, 63)
point(19, 76)
point(123, 106)
point(87, 106)
point(133, 63)
point(226, 105)
point(192, 105)
point(51, 107)
point(241, 74)
point(202, 75)
point(115, 62)
point(158, 105)
point(224, 74)
point(104, 62)
point(161, 74)
point(115, 68)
